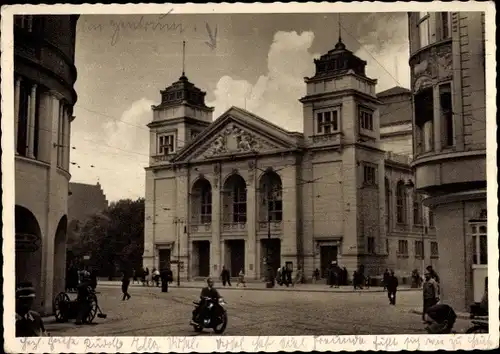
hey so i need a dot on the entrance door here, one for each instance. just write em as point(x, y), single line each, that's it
point(237, 251)
point(164, 255)
point(274, 255)
point(479, 259)
point(204, 258)
point(328, 254)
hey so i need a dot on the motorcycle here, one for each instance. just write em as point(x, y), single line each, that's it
point(215, 316)
point(479, 320)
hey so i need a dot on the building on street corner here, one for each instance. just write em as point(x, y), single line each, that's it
point(239, 191)
point(447, 60)
point(44, 70)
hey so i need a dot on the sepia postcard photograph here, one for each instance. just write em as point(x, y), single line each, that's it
point(248, 177)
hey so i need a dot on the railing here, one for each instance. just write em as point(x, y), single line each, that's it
point(398, 158)
point(275, 225)
point(200, 228)
point(326, 139)
point(234, 226)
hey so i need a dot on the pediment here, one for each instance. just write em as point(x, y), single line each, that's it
point(232, 135)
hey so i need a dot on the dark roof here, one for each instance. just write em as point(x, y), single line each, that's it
point(339, 61)
point(182, 91)
point(396, 90)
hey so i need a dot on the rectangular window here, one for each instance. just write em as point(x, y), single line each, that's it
point(22, 132)
point(419, 249)
point(431, 218)
point(166, 144)
point(369, 175)
point(239, 205)
point(24, 21)
point(479, 244)
point(424, 116)
point(445, 25)
point(445, 101)
point(417, 210)
point(423, 29)
point(365, 118)
point(403, 247)
point(434, 250)
point(327, 121)
point(371, 244)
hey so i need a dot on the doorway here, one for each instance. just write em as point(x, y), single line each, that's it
point(201, 263)
point(328, 254)
point(236, 256)
point(274, 255)
point(164, 255)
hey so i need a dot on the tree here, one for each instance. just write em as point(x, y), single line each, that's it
point(114, 238)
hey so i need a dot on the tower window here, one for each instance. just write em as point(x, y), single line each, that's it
point(445, 25)
point(327, 121)
point(166, 144)
point(423, 29)
point(369, 178)
point(365, 118)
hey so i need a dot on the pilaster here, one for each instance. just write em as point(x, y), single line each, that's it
point(216, 260)
point(17, 97)
point(31, 122)
point(47, 108)
point(436, 122)
point(289, 249)
point(250, 254)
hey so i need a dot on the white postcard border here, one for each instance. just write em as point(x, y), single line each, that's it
point(235, 344)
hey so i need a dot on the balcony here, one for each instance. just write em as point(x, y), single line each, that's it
point(326, 139)
point(274, 225)
point(234, 226)
point(200, 228)
point(398, 158)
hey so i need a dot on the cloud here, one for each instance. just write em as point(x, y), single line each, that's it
point(384, 45)
point(274, 96)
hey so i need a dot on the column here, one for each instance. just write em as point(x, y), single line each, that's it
point(54, 127)
point(17, 97)
point(31, 123)
point(250, 256)
point(67, 143)
point(437, 121)
point(216, 261)
point(45, 116)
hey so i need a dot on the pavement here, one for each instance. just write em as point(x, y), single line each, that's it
point(262, 286)
point(252, 313)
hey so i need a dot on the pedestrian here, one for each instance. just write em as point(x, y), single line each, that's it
point(355, 279)
point(279, 277)
point(241, 279)
point(125, 285)
point(335, 275)
point(28, 322)
point(392, 287)
point(298, 276)
point(289, 272)
point(284, 277)
point(316, 275)
point(433, 273)
point(225, 276)
point(134, 276)
point(93, 279)
point(156, 277)
point(84, 289)
point(166, 277)
point(430, 293)
point(386, 278)
point(345, 276)
point(146, 277)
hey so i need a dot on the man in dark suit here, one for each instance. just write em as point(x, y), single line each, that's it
point(28, 323)
point(208, 291)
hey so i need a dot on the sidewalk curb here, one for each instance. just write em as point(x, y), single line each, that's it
point(463, 316)
point(327, 290)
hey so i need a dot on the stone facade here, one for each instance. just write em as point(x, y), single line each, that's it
point(243, 187)
point(44, 97)
point(448, 78)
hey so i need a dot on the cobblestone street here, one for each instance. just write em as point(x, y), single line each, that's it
point(152, 313)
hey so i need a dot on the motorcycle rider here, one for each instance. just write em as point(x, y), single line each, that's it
point(440, 319)
point(207, 292)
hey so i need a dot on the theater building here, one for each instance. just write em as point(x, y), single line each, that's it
point(44, 76)
point(239, 191)
point(447, 63)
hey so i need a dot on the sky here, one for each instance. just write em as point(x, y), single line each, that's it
point(257, 61)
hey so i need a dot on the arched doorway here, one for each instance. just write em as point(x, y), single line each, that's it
point(234, 211)
point(60, 239)
point(28, 254)
point(270, 216)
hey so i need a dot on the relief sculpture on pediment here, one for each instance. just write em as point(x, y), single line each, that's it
point(233, 140)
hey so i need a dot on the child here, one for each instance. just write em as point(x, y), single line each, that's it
point(241, 279)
